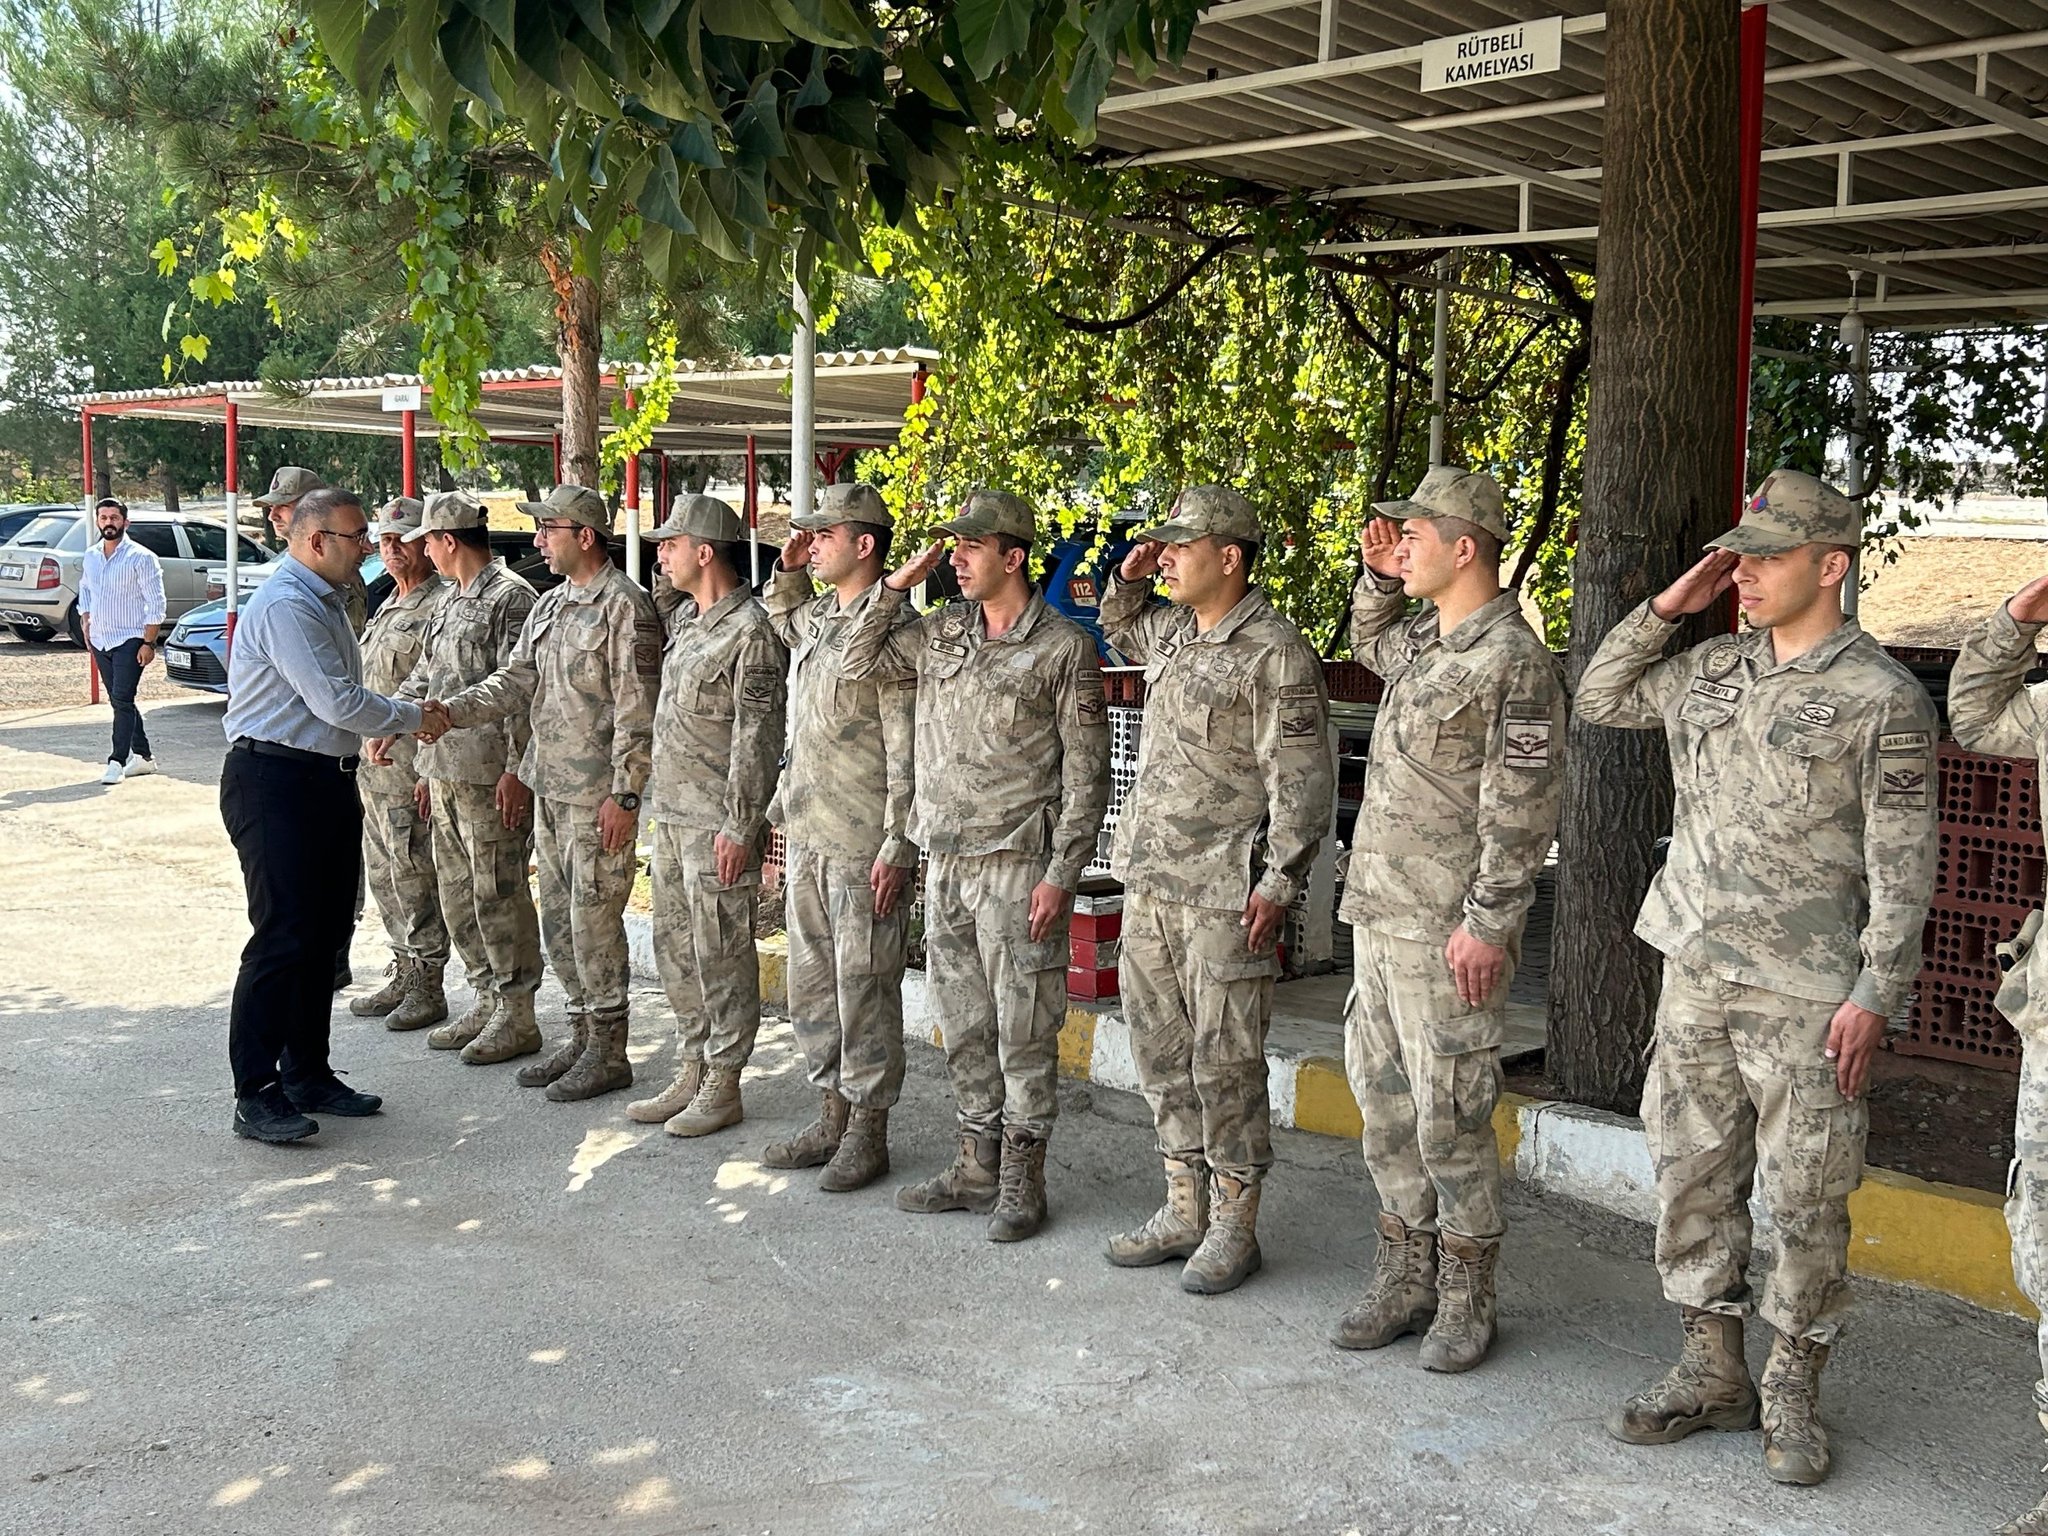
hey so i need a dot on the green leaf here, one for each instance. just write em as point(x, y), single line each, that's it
point(923, 76)
point(497, 15)
point(752, 20)
point(695, 144)
point(165, 255)
point(464, 47)
point(194, 346)
point(1086, 86)
point(654, 14)
point(992, 31)
point(656, 198)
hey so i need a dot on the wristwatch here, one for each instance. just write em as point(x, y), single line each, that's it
point(627, 802)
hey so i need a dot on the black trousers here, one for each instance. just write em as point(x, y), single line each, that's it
point(121, 671)
point(297, 827)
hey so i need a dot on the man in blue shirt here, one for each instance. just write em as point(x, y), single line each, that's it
point(296, 717)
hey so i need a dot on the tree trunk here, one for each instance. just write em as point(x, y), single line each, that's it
point(1659, 484)
point(579, 337)
point(167, 478)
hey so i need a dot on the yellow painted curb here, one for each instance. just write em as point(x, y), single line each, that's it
point(1322, 1099)
point(1077, 1043)
point(1939, 1236)
point(773, 953)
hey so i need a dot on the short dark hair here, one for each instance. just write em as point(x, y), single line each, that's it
point(311, 511)
point(881, 535)
point(115, 502)
point(1453, 529)
point(469, 538)
point(1005, 542)
point(1248, 548)
point(730, 554)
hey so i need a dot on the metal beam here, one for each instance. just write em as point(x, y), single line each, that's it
point(1908, 258)
point(2026, 299)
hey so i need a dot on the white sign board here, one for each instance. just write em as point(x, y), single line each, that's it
point(404, 398)
point(1500, 53)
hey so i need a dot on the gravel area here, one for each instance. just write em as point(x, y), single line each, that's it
point(54, 675)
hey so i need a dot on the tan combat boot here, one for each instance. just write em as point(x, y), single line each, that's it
point(1795, 1442)
point(1177, 1228)
point(457, 1033)
point(1402, 1299)
point(1229, 1254)
point(538, 1074)
point(714, 1106)
point(1464, 1326)
point(863, 1154)
point(673, 1099)
point(1709, 1387)
point(1020, 1187)
point(424, 1003)
point(602, 1068)
point(511, 1032)
point(813, 1146)
point(968, 1185)
point(374, 1005)
point(2035, 1521)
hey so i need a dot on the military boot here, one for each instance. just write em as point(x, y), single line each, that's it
point(511, 1032)
point(1463, 1330)
point(602, 1068)
point(1402, 1299)
point(714, 1106)
point(1020, 1187)
point(457, 1033)
point(374, 1005)
point(425, 1003)
point(1795, 1442)
point(1229, 1254)
point(538, 1074)
point(968, 1185)
point(673, 1099)
point(1177, 1228)
point(863, 1154)
point(1709, 1387)
point(813, 1146)
point(2033, 1523)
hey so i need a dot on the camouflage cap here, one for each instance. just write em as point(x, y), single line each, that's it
point(987, 512)
point(1459, 493)
point(446, 511)
point(1789, 510)
point(846, 504)
point(701, 517)
point(288, 485)
point(577, 503)
point(1207, 511)
point(399, 515)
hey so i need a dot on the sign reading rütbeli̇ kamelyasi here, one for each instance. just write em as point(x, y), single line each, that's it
point(1500, 53)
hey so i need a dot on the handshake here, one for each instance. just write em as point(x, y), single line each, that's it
point(434, 724)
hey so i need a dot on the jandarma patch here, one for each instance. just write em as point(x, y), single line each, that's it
point(1528, 745)
point(1725, 692)
point(1904, 741)
point(1297, 693)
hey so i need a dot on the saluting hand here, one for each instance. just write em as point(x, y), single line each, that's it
point(1695, 591)
point(1140, 560)
point(1379, 546)
point(796, 550)
point(2029, 605)
point(914, 570)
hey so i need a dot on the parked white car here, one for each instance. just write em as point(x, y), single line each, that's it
point(40, 567)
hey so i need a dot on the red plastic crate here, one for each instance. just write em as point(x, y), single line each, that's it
point(1097, 927)
point(1095, 954)
point(1091, 985)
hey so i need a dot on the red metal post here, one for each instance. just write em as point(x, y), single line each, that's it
point(917, 385)
point(661, 486)
point(409, 471)
point(92, 666)
point(1756, 24)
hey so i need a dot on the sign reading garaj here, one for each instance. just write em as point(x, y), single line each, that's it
point(1500, 53)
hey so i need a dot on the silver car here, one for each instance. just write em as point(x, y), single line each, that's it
point(39, 569)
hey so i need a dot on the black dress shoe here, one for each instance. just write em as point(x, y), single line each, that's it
point(267, 1115)
point(331, 1096)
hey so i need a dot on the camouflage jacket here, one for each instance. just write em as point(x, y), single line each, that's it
point(1235, 752)
point(1012, 738)
point(471, 636)
point(1991, 708)
point(1462, 790)
point(585, 670)
point(847, 785)
point(718, 726)
point(391, 649)
point(1802, 845)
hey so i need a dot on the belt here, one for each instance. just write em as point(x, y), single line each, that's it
point(296, 754)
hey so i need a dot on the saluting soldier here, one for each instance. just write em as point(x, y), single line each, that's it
point(1789, 914)
point(1233, 797)
point(585, 672)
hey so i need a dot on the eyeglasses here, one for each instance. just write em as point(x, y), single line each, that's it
point(558, 527)
point(357, 535)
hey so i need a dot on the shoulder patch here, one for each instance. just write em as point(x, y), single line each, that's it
point(757, 685)
point(1902, 782)
point(1525, 739)
point(1904, 741)
point(1298, 728)
point(1720, 661)
point(1297, 693)
point(1817, 714)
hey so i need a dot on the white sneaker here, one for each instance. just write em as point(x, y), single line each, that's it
point(138, 765)
point(113, 773)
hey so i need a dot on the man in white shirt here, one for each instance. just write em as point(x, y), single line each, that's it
point(120, 609)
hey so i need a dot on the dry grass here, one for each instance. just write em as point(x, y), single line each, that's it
point(1939, 588)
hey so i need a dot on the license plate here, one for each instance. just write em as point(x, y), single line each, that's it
point(178, 656)
point(10, 573)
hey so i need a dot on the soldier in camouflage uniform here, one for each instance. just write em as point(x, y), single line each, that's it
point(842, 806)
point(1789, 914)
point(585, 671)
point(1461, 803)
point(1233, 797)
point(1992, 709)
point(718, 732)
point(398, 851)
point(1012, 781)
point(482, 814)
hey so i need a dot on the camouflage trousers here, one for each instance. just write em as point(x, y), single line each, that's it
point(704, 947)
point(845, 976)
point(1199, 1004)
point(1738, 1089)
point(1001, 996)
point(583, 894)
point(1424, 1067)
point(485, 898)
point(398, 866)
point(2026, 1206)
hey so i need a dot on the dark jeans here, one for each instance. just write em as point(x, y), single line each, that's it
point(297, 827)
point(121, 670)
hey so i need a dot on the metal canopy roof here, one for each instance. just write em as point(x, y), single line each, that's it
point(1904, 140)
point(861, 397)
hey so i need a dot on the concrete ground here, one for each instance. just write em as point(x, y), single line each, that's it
point(481, 1312)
